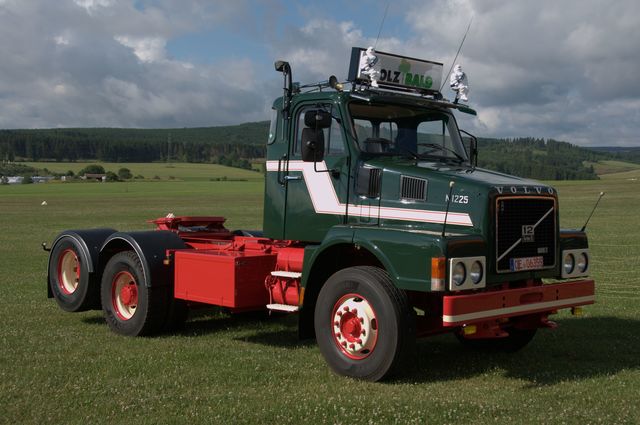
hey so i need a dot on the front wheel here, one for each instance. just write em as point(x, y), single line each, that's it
point(363, 323)
point(130, 307)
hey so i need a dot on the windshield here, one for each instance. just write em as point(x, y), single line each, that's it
point(390, 129)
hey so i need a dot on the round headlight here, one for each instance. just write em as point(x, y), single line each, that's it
point(459, 274)
point(476, 272)
point(583, 262)
point(569, 263)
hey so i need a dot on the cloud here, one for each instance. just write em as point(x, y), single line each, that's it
point(147, 49)
point(104, 63)
point(546, 69)
point(543, 68)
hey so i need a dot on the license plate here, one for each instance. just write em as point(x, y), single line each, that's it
point(526, 263)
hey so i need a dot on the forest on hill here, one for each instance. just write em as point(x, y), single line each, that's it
point(227, 145)
point(236, 145)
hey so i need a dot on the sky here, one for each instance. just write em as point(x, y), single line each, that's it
point(562, 69)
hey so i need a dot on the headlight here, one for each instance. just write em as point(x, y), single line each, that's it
point(583, 262)
point(459, 274)
point(465, 273)
point(476, 272)
point(569, 263)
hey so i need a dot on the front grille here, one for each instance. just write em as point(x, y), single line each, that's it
point(525, 231)
point(412, 188)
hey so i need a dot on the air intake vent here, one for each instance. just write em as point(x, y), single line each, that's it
point(413, 189)
point(369, 182)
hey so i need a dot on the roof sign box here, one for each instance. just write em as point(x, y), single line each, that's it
point(393, 71)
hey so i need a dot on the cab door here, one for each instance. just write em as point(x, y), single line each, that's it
point(316, 192)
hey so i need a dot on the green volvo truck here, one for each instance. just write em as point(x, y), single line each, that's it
point(378, 228)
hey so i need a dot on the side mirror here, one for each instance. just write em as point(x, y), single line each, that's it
point(312, 145)
point(312, 135)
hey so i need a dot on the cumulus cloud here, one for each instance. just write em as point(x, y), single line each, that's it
point(104, 63)
point(147, 49)
point(547, 69)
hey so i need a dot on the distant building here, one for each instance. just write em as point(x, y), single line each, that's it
point(41, 179)
point(97, 177)
point(14, 179)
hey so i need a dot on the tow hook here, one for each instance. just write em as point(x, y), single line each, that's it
point(44, 247)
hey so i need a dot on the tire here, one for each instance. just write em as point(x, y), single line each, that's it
point(364, 326)
point(130, 307)
point(71, 284)
point(516, 341)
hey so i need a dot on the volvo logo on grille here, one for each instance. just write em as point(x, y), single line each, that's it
point(528, 233)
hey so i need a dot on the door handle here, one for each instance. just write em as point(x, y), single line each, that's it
point(287, 178)
point(280, 170)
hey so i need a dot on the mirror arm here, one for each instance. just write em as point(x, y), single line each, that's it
point(315, 168)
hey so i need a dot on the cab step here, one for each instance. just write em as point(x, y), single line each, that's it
point(289, 275)
point(283, 307)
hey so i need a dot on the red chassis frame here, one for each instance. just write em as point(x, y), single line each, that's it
point(229, 270)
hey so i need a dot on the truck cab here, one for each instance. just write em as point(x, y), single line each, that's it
point(382, 176)
point(378, 227)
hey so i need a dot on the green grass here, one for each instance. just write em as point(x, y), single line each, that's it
point(57, 367)
point(177, 170)
point(609, 167)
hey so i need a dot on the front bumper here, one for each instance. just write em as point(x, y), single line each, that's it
point(467, 309)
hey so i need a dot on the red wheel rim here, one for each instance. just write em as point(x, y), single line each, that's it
point(355, 326)
point(68, 271)
point(124, 295)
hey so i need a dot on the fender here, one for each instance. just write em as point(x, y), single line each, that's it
point(150, 246)
point(89, 240)
point(335, 236)
point(405, 253)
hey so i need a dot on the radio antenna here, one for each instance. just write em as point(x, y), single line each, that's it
point(446, 212)
point(592, 211)
point(386, 9)
point(457, 53)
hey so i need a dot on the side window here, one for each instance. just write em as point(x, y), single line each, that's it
point(333, 140)
point(273, 128)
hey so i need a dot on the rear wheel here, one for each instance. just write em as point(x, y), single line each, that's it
point(129, 306)
point(69, 278)
point(516, 341)
point(363, 323)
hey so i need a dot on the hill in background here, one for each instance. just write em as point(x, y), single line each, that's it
point(237, 145)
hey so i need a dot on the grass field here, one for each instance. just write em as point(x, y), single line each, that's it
point(613, 167)
point(57, 367)
point(177, 171)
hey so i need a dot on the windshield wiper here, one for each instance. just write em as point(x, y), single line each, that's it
point(411, 153)
point(435, 146)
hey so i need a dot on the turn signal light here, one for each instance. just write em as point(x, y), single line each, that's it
point(438, 273)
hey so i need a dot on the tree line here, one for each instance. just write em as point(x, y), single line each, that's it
point(235, 146)
point(232, 145)
point(539, 158)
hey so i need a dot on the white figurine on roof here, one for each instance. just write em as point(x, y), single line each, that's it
point(459, 84)
point(367, 66)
